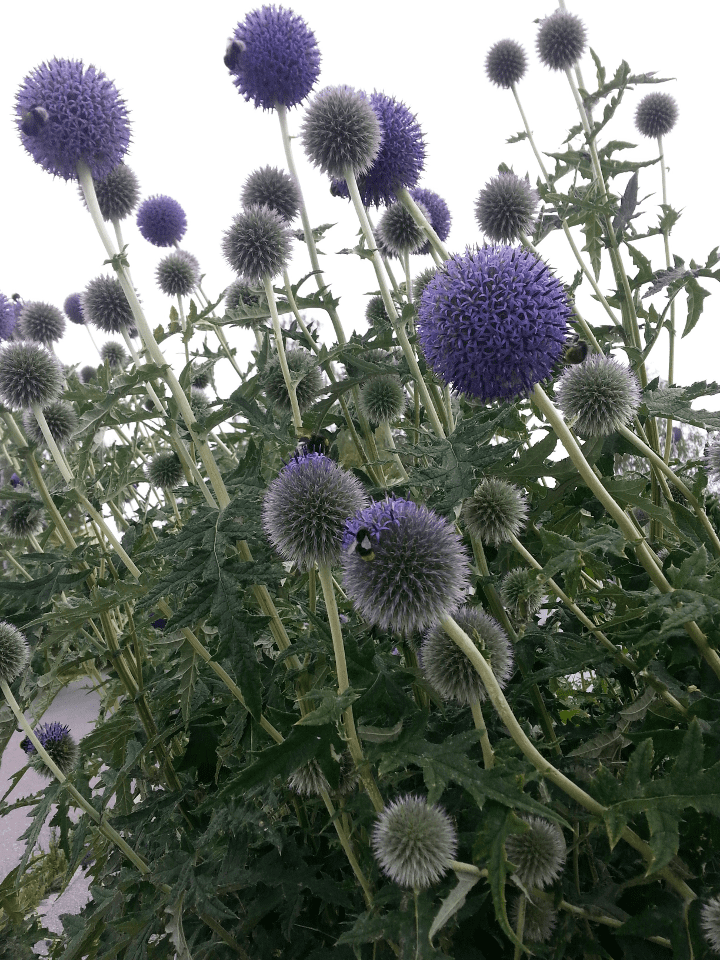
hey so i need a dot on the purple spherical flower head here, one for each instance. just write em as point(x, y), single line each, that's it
point(404, 566)
point(58, 743)
point(493, 322)
point(73, 308)
point(274, 58)
point(162, 220)
point(401, 158)
point(66, 113)
point(8, 317)
point(439, 211)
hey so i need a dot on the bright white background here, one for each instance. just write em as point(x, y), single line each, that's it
point(196, 139)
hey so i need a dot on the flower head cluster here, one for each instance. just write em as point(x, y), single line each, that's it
point(496, 510)
point(383, 398)
point(257, 245)
point(14, 652)
point(561, 40)
point(66, 114)
point(397, 232)
point(274, 188)
point(505, 63)
point(161, 220)
point(656, 114)
point(449, 670)
point(340, 130)
point(73, 308)
point(274, 58)
point(538, 853)
point(165, 470)
point(28, 375)
point(414, 842)
point(304, 371)
point(438, 213)
point(58, 743)
point(61, 419)
point(117, 193)
point(412, 571)
point(8, 317)
point(306, 507)
point(600, 395)
point(105, 305)
point(178, 274)
point(505, 208)
point(493, 322)
point(41, 322)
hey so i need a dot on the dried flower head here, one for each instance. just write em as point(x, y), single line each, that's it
point(438, 214)
point(8, 317)
point(14, 652)
point(178, 273)
point(58, 743)
point(496, 510)
point(505, 63)
point(382, 398)
point(414, 842)
point(106, 306)
point(398, 233)
point(161, 220)
point(413, 569)
point(304, 371)
point(306, 507)
point(340, 130)
point(275, 189)
point(274, 58)
point(66, 113)
point(493, 322)
point(598, 396)
point(505, 208)
point(73, 308)
point(41, 322)
point(710, 921)
point(522, 592)
point(22, 519)
point(561, 40)
point(61, 419)
point(117, 193)
point(449, 670)
point(540, 919)
point(28, 375)
point(538, 853)
point(114, 354)
point(656, 114)
point(165, 470)
point(257, 245)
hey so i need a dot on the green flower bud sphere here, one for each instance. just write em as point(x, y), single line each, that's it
point(496, 510)
point(257, 245)
point(22, 520)
point(275, 189)
point(398, 232)
point(165, 470)
point(87, 373)
point(61, 419)
point(178, 274)
point(656, 114)
point(375, 312)
point(414, 842)
point(505, 208)
point(505, 63)
point(598, 396)
point(114, 354)
point(540, 919)
point(521, 592)
point(105, 305)
point(41, 322)
point(117, 194)
point(28, 375)
point(304, 371)
point(341, 130)
point(421, 281)
point(310, 781)
point(382, 398)
point(248, 305)
point(538, 853)
point(14, 652)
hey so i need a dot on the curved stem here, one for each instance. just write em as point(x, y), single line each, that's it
point(292, 392)
point(671, 330)
point(479, 720)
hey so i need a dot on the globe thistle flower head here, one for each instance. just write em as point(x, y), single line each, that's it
point(114, 354)
point(412, 570)
point(561, 40)
point(437, 211)
point(200, 379)
point(375, 312)
point(178, 273)
point(73, 308)
point(258, 243)
point(421, 281)
point(274, 188)
point(656, 114)
point(598, 396)
point(67, 113)
point(8, 317)
point(414, 842)
point(310, 781)
point(117, 193)
point(521, 592)
point(161, 220)
point(382, 398)
point(199, 403)
point(306, 507)
point(28, 375)
point(505, 208)
point(41, 322)
point(105, 305)
point(58, 743)
point(14, 652)
point(538, 853)
point(340, 130)
point(540, 919)
point(87, 373)
point(304, 371)
point(274, 58)
point(493, 322)
point(449, 670)
point(400, 160)
point(496, 510)
point(61, 419)
point(165, 470)
point(398, 232)
point(505, 63)
point(22, 520)
point(710, 922)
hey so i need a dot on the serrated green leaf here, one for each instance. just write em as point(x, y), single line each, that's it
point(695, 300)
point(454, 901)
point(593, 231)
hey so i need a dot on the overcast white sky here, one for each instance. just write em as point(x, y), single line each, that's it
point(196, 139)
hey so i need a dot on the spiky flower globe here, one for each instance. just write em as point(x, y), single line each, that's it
point(505, 63)
point(106, 306)
point(41, 322)
point(561, 40)
point(493, 322)
point(199, 403)
point(200, 379)
point(540, 919)
point(538, 853)
point(598, 396)
point(87, 373)
point(28, 375)
point(382, 398)
point(165, 470)
point(8, 317)
point(438, 214)
point(398, 232)
point(14, 652)
point(274, 188)
point(306, 507)
point(340, 129)
point(117, 194)
point(304, 370)
point(73, 308)
point(400, 160)
point(522, 592)
point(710, 921)
point(375, 312)
point(58, 743)
point(421, 281)
point(178, 274)
point(258, 244)
point(22, 520)
point(310, 781)
point(249, 304)
point(66, 113)
point(449, 670)
point(274, 58)
point(505, 208)
point(414, 572)
point(61, 419)
point(114, 354)
point(496, 510)
point(414, 842)
point(656, 114)
point(161, 220)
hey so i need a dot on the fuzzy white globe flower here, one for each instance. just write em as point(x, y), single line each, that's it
point(413, 842)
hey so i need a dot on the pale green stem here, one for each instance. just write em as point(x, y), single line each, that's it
point(92, 338)
point(18, 566)
point(52, 446)
point(345, 844)
point(277, 330)
point(112, 539)
point(520, 927)
point(387, 438)
point(671, 331)
point(183, 324)
point(479, 721)
point(422, 221)
point(220, 335)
